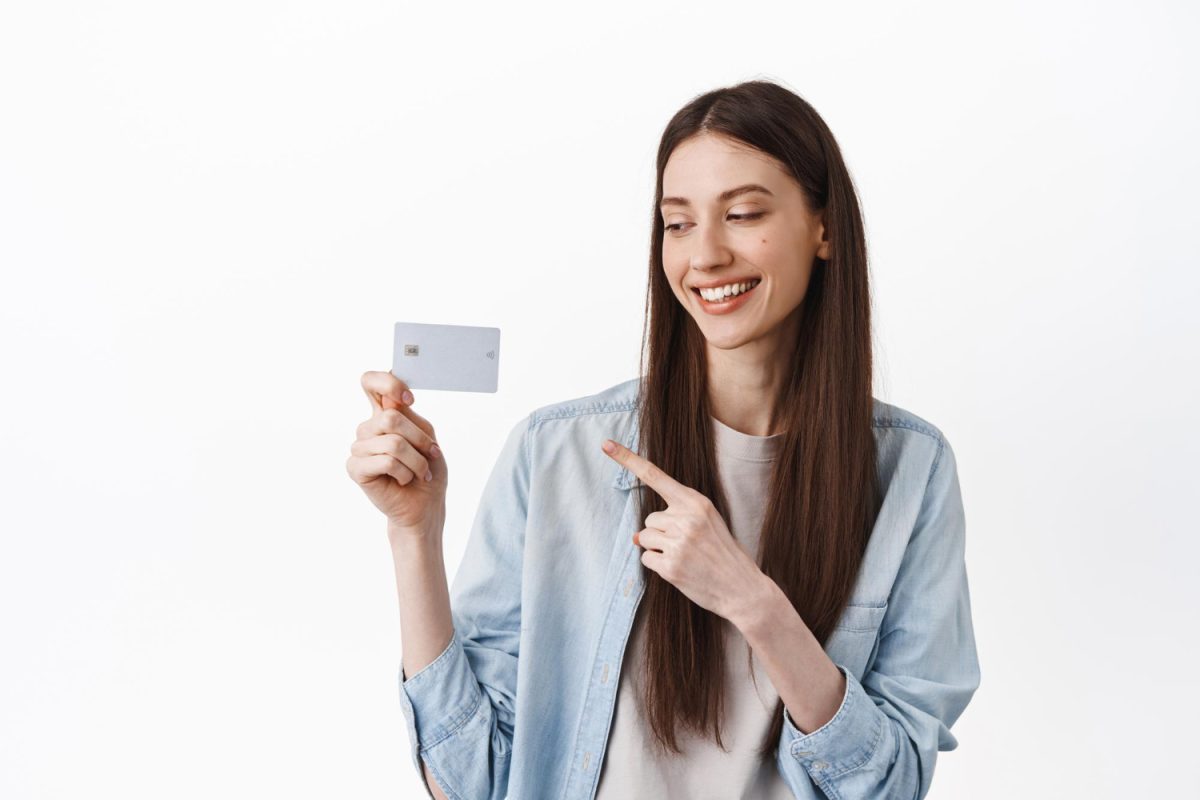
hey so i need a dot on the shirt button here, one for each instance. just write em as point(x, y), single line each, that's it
point(804, 753)
point(819, 765)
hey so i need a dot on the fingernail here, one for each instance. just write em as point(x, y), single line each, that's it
point(428, 475)
point(435, 451)
point(608, 446)
point(408, 398)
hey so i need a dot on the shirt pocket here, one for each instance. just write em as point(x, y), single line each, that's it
point(855, 640)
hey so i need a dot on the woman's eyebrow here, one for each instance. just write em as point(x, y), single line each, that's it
point(728, 194)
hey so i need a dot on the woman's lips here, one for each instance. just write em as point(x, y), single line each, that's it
point(727, 306)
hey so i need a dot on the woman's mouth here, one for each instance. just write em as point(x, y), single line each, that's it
point(729, 303)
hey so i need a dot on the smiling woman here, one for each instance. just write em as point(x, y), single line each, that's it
point(760, 231)
point(757, 588)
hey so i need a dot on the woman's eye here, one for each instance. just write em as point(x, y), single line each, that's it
point(755, 215)
point(678, 225)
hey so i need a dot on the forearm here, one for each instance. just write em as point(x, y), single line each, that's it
point(425, 622)
point(809, 683)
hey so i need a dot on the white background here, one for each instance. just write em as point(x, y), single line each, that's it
point(212, 213)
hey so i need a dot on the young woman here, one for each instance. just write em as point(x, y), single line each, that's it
point(738, 575)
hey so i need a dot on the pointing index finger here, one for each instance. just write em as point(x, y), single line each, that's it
point(670, 489)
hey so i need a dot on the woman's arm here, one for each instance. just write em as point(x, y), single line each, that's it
point(460, 706)
point(425, 621)
point(883, 740)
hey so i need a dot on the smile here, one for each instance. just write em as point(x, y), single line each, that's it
point(727, 305)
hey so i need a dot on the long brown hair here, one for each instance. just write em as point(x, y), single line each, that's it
point(823, 496)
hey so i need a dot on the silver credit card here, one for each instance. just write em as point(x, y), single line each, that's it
point(454, 358)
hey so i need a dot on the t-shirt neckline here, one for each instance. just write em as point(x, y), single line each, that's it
point(733, 443)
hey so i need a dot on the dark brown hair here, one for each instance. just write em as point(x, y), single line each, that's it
point(823, 495)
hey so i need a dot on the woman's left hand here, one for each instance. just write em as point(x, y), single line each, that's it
point(690, 545)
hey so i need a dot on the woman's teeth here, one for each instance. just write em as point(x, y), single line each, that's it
point(723, 292)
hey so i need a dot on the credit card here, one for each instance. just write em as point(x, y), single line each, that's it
point(453, 358)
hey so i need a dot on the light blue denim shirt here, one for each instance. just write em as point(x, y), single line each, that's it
point(520, 702)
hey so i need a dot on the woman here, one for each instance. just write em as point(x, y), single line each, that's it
point(783, 610)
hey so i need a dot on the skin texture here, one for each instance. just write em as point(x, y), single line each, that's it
point(748, 350)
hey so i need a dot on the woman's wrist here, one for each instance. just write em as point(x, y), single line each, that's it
point(422, 534)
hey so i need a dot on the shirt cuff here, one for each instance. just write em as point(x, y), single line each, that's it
point(439, 698)
point(845, 742)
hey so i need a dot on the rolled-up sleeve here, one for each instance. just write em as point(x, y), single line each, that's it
point(884, 738)
point(460, 709)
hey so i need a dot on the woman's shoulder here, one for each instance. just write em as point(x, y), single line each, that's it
point(907, 444)
point(563, 438)
point(618, 398)
point(887, 416)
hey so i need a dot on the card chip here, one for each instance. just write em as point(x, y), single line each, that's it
point(412, 350)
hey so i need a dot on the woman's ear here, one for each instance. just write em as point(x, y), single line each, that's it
point(824, 247)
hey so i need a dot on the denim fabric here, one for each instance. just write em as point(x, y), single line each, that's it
point(551, 578)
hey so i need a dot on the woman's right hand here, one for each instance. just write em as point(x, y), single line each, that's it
point(395, 449)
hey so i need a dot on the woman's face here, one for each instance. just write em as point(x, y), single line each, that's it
point(766, 236)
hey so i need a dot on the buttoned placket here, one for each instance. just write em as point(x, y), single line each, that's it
point(591, 738)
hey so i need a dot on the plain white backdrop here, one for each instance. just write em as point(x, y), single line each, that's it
point(211, 215)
